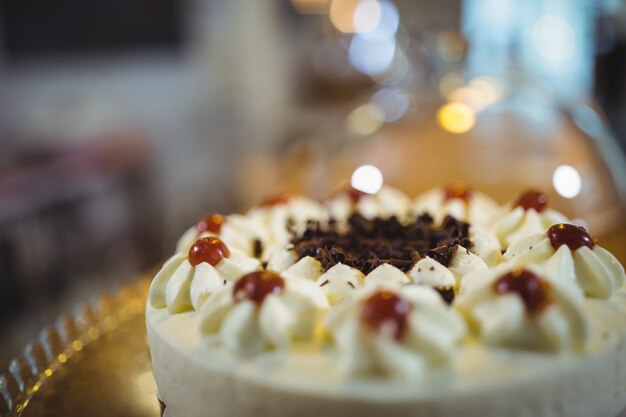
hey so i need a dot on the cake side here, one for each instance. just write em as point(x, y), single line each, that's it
point(194, 378)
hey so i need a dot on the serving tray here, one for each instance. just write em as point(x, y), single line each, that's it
point(95, 360)
point(92, 362)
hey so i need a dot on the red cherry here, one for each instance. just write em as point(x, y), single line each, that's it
point(257, 285)
point(459, 192)
point(385, 307)
point(275, 200)
point(211, 223)
point(532, 199)
point(533, 291)
point(573, 236)
point(208, 249)
point(355, 195)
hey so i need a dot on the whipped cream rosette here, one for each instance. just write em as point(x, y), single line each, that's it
point(526, 216)
point(569, 253)
point(186, 280)
point(399, 332)
point(210, 225)
point(523, 308)
point(457, 201)
point(238, 231)
point(277, 219)
point(263, 311)
point(387, 202)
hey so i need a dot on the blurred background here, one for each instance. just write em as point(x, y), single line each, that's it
point(124, 121)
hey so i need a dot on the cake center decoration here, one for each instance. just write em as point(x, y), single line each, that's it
point(533, 291)
point(211, 223)
point(275, 200)
point(208, 249)
point(384, 308)
point(570, 235)
point(368, 243)
point(355, 195)
point(257, 285)
point(459, 192)
point(532, 200)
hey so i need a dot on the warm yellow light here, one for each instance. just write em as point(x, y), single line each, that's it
point(342, 14)
point(456, 117)
point(77, 345)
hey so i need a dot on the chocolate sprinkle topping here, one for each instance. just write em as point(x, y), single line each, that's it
point(257, 248)
point(370, 243)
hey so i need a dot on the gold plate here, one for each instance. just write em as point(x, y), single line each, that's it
point(94, 362)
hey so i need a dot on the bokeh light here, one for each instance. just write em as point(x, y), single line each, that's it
point(553, 38)
point(567, 181)
point(367, 178)
point(366, 16)
point(456, 117)
point(393, 103)
point(342, 14)
point(365, 120)
point(371, 56)
point(449, 82)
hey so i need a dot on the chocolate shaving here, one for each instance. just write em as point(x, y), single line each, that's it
point(368, 243)
point(447, 293)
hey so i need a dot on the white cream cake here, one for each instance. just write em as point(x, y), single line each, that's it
point(370, 305)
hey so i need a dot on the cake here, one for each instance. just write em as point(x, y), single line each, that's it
point(448, 304)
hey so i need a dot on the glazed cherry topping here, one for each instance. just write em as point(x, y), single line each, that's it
point(208, 249)
point(211, 223)
point(354, 195)
point(257, 285)
point(384, 307)
point(573, 236)
point(275, 200)
point(533, 291)
point(457, 191)
point(532, 200)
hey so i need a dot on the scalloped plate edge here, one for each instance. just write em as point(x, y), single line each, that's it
point(57, 344)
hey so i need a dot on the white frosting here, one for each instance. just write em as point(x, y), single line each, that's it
point(387, 202)
point(430, 337)
point(517, 223)
point(486, 245)
point(503, 319)
point(464, 262)
point(245, 328)
point(479, 210)
point(340, 282)
point(187, 239)
point(596, 270)
point(282, 260)
point(431, 273)
point(179, 286)
point(307, 268)
point(386, 275)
